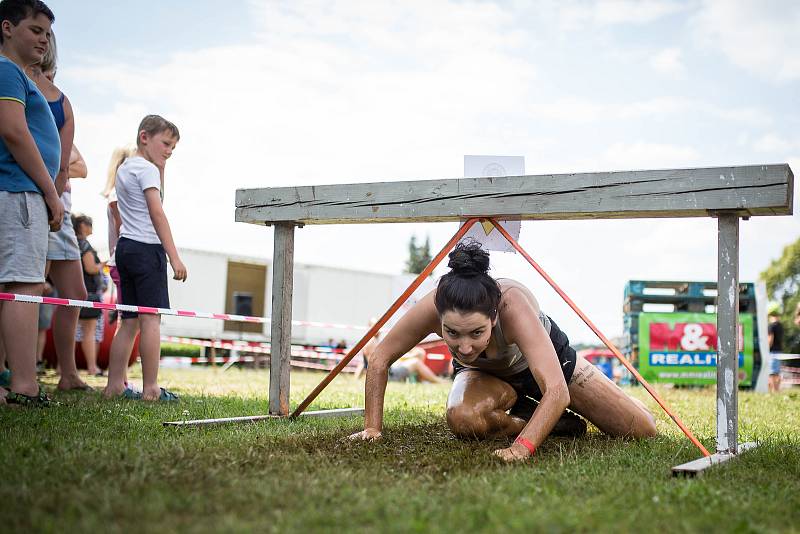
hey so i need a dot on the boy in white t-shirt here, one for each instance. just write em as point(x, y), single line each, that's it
point(145, 242)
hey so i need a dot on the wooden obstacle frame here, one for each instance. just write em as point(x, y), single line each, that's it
point(728, 194)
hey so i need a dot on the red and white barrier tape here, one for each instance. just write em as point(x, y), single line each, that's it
point(249, 359)
point(165, 311)
point(298, 351)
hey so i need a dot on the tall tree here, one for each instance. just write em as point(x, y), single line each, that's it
point(425, 252)
point(782, 278)
point(419, 256)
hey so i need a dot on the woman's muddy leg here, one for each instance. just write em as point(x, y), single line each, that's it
point(603, 403)
point(477, 406)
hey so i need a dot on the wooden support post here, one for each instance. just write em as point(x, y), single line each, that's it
point(281, 337)
point(727, 334)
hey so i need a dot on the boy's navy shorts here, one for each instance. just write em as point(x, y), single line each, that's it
point(142, 271)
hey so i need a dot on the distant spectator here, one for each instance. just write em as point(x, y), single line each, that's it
point(93, 280)
point(30, 155)
point(118, 157)
point(45, 321)
point(775, 337)
point(793, 365)
point(410, 366)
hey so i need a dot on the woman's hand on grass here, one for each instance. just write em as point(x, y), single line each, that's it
point(368, 434)
point(514, 453)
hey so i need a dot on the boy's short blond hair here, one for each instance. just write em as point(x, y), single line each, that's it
point(155, 124)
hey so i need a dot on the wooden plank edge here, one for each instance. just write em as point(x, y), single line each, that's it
point(697, 467)
point(337, 412)
point(267, 217)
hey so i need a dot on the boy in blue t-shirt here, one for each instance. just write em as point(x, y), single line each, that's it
point(30, 153)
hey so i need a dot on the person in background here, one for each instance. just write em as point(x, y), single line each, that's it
point(797, 315)
point(118, 157)
point(795, 363)
point(93, 280)
point(30, 155)
point(775, 338)
point(45, 320)
point(409, 365)
point(109, 192)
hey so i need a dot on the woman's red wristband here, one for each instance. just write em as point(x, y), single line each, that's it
point(526, 443)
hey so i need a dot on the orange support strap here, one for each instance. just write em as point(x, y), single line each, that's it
point(603, 338)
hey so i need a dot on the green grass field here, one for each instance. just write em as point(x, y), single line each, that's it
point(94, 465)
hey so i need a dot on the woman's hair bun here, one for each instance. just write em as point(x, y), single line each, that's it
point(469, 259)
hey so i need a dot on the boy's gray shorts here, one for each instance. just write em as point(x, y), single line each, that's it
point(23, 237)
point(63, 245)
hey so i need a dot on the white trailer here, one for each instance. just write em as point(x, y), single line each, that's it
point(228, 283)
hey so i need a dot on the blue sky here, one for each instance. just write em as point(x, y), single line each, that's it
point(271, 94)
point(131, 31)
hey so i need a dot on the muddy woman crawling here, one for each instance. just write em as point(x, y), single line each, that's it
point(506, 352)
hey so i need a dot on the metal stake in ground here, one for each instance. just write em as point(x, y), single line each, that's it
point(603, 338)
point(385, 317)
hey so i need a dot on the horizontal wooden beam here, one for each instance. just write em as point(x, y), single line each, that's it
point(747, 190)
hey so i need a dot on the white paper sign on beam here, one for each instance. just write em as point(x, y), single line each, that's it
point(487, 167)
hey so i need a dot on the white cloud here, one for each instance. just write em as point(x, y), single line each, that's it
point(668, 62)
point(576, 15)
point(757, 36)
point(585, 110)
point(773, 142)
point(642, 155)
point(633, 11)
